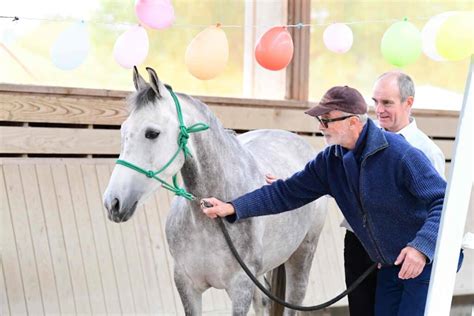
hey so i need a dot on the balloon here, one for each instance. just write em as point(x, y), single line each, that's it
point(401, 44)
point(274, 49)
point(9, 32)
point(207, 54)
point(455, 38)
point(157, 14)
point(71, 47)
point(131, 48)
point(428, 35)
point(338, 38)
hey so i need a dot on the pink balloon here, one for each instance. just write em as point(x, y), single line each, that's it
point(274, 49)
point(338, 38)
point(131, 48)
point(157, 14)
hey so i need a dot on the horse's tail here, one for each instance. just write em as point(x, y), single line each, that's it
point(278, 287)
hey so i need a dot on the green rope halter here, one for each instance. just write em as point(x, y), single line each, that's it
point(182, 146)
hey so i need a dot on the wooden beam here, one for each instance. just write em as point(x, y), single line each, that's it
point(43, 108)
point(8, 91)
point(34, 140)
point(297, 72)
point(65, 109)
point(435, 126)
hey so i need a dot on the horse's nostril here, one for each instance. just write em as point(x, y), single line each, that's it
point(115, 207)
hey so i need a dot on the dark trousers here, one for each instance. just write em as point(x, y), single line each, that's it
point(356, 262)
point(397, 297)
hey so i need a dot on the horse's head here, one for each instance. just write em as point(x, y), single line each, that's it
point(149, 141)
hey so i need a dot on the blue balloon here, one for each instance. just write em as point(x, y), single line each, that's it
point(71, 47)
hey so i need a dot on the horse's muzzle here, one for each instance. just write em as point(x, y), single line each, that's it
point(117, 212)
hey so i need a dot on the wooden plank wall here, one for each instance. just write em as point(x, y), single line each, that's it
point(59, 252)
point(66, 256)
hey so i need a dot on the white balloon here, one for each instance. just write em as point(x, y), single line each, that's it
point(338, 38)
point(71, 47)
point(131, 48)
point(428, 35)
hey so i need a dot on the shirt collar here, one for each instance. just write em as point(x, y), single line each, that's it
point(407, 130)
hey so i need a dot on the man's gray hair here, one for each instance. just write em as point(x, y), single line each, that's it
point(362, 117)
point(405, 84)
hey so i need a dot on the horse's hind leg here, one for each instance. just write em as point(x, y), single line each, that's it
point(241, 291)
point(297, 269)
point(190, 297)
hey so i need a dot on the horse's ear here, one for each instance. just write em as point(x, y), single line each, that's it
point(154, 81)
point(138, 80)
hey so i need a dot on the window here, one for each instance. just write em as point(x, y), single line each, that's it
point(26, 43)
point(364, 62)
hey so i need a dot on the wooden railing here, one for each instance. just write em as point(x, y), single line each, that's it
point(45, 120)
point(59, 252)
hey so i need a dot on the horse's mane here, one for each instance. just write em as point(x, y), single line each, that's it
point(142, 98)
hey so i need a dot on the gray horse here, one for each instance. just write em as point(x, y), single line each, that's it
point(223, 165)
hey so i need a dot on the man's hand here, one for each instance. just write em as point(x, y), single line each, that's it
point(270, 178)
point(218, 208)
point(413, 263)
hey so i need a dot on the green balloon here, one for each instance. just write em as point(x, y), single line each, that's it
point(455, 38)
point(401, 44)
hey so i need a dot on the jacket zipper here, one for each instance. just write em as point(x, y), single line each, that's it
point(365, 221)
point(366, 226)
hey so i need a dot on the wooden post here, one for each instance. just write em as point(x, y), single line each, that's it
point(297, 72)
point(455, 210)
point(297, 79)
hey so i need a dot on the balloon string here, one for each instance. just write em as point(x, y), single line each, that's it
point(297, 25)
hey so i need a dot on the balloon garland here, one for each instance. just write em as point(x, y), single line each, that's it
point(445, 37)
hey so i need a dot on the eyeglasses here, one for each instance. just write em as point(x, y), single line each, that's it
point(325, 122)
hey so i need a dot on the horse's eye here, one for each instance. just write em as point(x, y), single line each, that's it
point(151, 134)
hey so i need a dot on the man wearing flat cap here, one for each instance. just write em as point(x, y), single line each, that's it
point(387, 190)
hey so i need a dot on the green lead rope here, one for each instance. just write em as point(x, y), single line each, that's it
point(183, 138)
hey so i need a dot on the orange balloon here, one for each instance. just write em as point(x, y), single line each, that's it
point(274, 49)
point(207, 54)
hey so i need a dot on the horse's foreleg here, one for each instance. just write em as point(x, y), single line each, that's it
point(260, 301)
point(190, 297)
point(240, 291)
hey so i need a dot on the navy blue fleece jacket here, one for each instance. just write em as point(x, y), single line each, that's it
point(388, 191)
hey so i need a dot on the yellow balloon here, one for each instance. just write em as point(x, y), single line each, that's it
point(455, 37)
point(207, 54)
